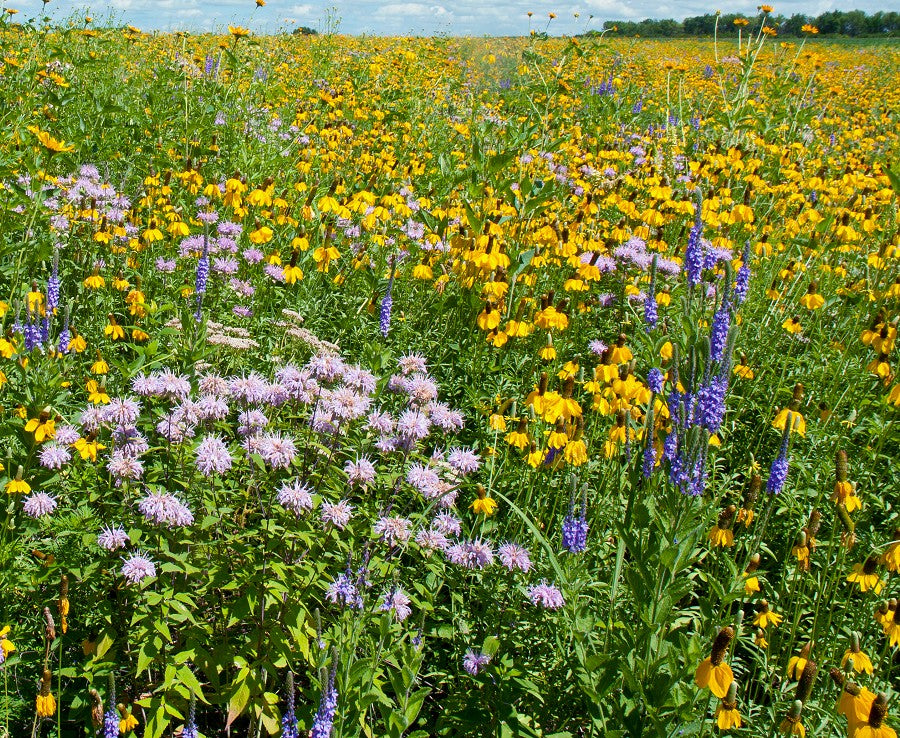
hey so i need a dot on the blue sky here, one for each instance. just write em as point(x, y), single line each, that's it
point(399, 17)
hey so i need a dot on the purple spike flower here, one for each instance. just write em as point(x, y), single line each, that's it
point(324, 720)
point(779, 471)
point(742, 284)
point(655, 380)
point(651, 310)
point(387, 303)
point(202, 277)
point(65, 335)
point(649, 460)
point(693, 256)
point(574, 533)
point(111, 723)
point(289, 719)
point(718, 335)
point(53, 285)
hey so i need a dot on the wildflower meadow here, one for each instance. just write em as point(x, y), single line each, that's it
point(359, 386)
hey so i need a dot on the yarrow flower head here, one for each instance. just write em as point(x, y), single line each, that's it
point(393, 530)
point(475, 554)
point(475, 663)
point(138, 567)
point(164, 508)
point(546, 596)
point(39, 504)
point(398, 602)
point(213, 456)
point(337, 514)
point(112, 538)
point(296, 497)
point(514, 556)
point(361, 471)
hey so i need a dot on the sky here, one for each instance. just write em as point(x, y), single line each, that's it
point(392, 17)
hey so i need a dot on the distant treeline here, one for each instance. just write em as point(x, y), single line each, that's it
point(833, 23)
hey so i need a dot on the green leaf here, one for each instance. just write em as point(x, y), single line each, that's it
point(414, 705)
point(895, 180)
point(188, 678)
point(238, 702)
point(105, 643)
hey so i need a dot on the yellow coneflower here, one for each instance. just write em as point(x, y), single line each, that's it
point(535, 457)
point(812, 300)
point(77, 344)
point(558, 437)
point(844, 494)
point(62, 604)
point(114, 330)
point(137, 303)
point(575, 452)
point(496, 422)
point(891, 623)
point(866, 576)
point(96, 393)
point(791, 724)
point(881, 368)
point(766, 617)
point(99, 366)
point(50, 143)
point(484, 505)
point(95, 281)
point(727, 715)
point(43, 427)
point(721, 534)
point(891, 556)
point(751, 581)
point(519, 437)
point(293, 273)
point(537, 397)
point(88, 447)
point(792, 325)
point(713, 672)
point(128, 721)
point(884, 614)
point(620, 353)
point(6, 645)
point(874, 726)
point(742, 370)
point(858, 658)
point(548, 351)
point(796, 664)
point(46, 703)
point(8, 349)
point(798, 422)
point(17, 485)
point(855, 703)
point(800, 549)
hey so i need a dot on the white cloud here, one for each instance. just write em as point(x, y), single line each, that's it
point(402, 10)
point(385, 17)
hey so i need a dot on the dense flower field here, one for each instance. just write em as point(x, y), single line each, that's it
point(436, 387)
